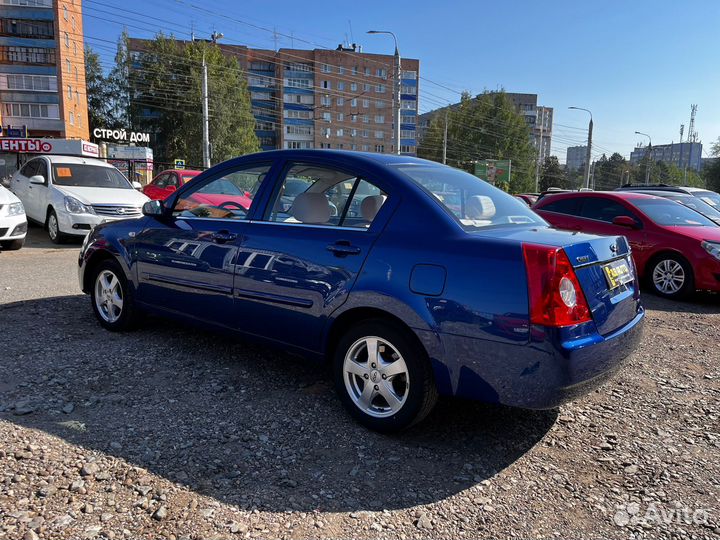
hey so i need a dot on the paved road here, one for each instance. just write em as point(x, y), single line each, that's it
point(173, 432)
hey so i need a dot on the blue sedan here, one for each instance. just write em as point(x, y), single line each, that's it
point(412, 278)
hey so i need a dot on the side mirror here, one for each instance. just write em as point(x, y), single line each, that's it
point(625, 221)
point(37, 179)
point(153, 208)
point(137, 185)
point(171, 188)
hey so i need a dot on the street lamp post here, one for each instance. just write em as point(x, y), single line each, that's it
point(398, 85)
point(648, 155)
point(588, 152)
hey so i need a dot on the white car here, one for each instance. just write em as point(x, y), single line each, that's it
point(70, 195)
point(13, 223)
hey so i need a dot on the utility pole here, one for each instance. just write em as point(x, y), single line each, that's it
point(205, 104)
point(588, 152)
point(540, 146)
point(398, 85)
point(445, 138)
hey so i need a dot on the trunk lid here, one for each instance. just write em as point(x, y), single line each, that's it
point(611, 307)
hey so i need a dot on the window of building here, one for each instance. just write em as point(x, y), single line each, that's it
point(408, 105)
point(365, 148)
point(365, 119)
point(353, 102)
point(353, 132)
point(76, 74)
point(75, 48)
point(69, 92)
point(404, 149)
point(28, 3)
point(341, 70)
point(366, 103)
point(72, 118)
point(379, 119)
point(303, 99)
point(327, 133)
point(27, 28)
point(261, 81)
point(298, 83)
point(341, 86)
point(381, 72)
point(340, 132)
point(353, 147)
point(325, 68)
point(326, 85)
point(67, 39)
point(298, 145)
point(68, 66)
point(353, 118)
point(353, 87)
point(26, 55)
point(380, 88)
point(327, 116)
point(65, 13)
point(264, 126)
point(291, 66)
point(407, 134)
point(366, 87)
point(365, 133)
point(380, 104)
point(341, 117)
point(380, 148)
point(411, 90)
point(299, 130)
point(409, 119)
point(326, 101)
point(367, 71)
point(355, 70)
point(31, 110)
point(37, 83)
point(379, 134)
point(409, 74)
point(73, 24)
point(340, 101)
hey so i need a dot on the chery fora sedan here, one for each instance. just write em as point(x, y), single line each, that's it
point(412, 278)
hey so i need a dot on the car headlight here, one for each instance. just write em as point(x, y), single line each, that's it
point(713, 248)
point(15, 209)
point(74, 206)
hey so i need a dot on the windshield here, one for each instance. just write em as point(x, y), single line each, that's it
point(710, 197)
point(473, 202)
point(669, 213)
point(699, 205)
point(84, 175)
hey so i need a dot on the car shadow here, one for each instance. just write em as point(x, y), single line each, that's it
point(37, 237)
point(699, 302)
point(238, 422)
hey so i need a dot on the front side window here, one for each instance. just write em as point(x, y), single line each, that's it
point(227, 197)
point(317, 195)
point(84, 175)
point(475, 204)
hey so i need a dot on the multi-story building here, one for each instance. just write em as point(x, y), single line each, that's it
point(537, 117)
point(682, 155)
point(42, 69)
point(342, 98)
point(575, 158)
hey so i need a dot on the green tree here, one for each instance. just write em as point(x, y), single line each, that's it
point(99, 96)
point(551, 174)
point(483, 127)
point(166, 87)
point(711, 172)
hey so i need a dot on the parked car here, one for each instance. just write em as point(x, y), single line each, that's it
point(676, 249)
point(696, 203)
point(710, 197)
point(13, 223)
point(483, 301)
point(168, 182)
point(70, 195)
point(528, 198)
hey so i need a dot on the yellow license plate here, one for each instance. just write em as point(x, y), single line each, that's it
point(617, 273)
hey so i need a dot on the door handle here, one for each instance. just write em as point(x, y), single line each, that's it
point(342, 248)
point(220, 237)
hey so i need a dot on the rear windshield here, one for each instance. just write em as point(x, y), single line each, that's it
point(669, 213)
point(710, 197)
point(473, 202)
point(696, 203)
point(83, 175)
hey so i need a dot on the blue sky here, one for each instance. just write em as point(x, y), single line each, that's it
point(637, 65)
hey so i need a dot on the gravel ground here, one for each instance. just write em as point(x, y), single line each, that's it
point(170, 432)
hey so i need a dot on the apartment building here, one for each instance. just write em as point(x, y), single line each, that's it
point(575, 157)
point(42, 69)
point(682, 155)
point(339, 99)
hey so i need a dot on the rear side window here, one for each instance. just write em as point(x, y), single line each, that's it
point(569, 206)
point(602, 209)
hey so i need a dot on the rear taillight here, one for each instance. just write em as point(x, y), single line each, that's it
point(556, 298)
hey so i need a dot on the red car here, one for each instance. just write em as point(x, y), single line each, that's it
point(675, 249)
point(167, 182)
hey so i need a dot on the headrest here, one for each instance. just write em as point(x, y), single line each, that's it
point(370, 206)
point(480, 207)
point(311, 208)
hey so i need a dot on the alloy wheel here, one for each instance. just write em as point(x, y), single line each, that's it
point(108, 296)
point(668, 276)
point(376, 377)
point(53, 227)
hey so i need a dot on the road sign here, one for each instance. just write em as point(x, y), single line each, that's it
point(179, 163)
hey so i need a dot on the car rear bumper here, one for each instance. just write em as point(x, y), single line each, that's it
point(552, 368)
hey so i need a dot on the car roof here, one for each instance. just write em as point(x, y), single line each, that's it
point(625, 195)
point(367, 157)
point(76, 160)
point(663, 193)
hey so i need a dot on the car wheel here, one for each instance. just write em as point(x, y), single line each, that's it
point(671, 276)
point(383, 377)
point(53, 228)
point(11, 245)
point(112, 297)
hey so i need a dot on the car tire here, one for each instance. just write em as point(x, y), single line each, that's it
point(53, 228)
point(12, 245)
point(112, 297)
point(671, 276)
point(403, 390)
